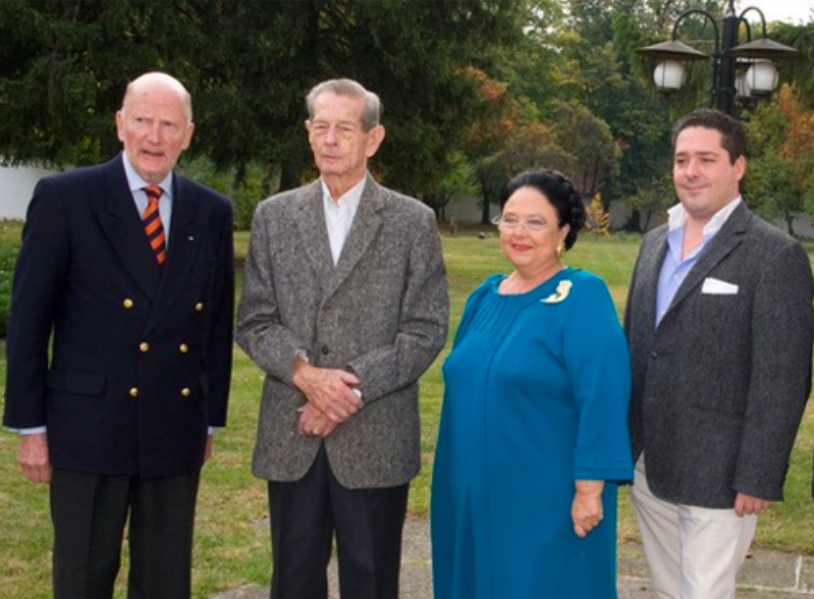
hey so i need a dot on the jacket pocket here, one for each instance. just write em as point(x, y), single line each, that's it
point(75, 382)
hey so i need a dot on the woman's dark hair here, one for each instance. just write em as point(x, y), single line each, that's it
point(559, 191)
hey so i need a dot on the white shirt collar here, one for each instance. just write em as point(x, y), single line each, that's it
point(678, 217)
point(351, 197)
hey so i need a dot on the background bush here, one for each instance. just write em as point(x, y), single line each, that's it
point(10, 231)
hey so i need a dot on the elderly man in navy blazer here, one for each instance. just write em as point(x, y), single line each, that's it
point(719, 319)
point(126, 268)
point(344, 306)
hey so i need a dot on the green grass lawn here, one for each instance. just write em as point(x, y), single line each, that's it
point(232, 528)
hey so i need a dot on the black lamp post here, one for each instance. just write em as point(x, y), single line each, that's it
point(737, 71)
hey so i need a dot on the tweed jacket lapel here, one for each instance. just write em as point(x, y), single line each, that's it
point(123, 227)
point(310, 219)
point(649, 270)
point(365, 228)
point(183, 248)
point(727, 239)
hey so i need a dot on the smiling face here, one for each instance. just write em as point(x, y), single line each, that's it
point(705, 178)
point(531, 252)
point(154, 125)
point(340, 145)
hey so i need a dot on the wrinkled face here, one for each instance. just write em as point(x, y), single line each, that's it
point(530, 231)
point(154, 127)
point(705, 179)
point(341, 148)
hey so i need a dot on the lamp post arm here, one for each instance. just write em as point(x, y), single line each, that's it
point(709, 17)
point(762, 21)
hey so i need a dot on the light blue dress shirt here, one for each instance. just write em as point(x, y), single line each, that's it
point(674, 269)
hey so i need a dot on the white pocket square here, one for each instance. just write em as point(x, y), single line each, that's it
point(718, 287)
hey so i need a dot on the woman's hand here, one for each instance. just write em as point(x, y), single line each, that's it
point(586, 510)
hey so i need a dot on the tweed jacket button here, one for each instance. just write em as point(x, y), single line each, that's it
point(127, 303)
point(325, 350)
point(654, 354)
point(144, 347)
point(186, 392)
point(134, 392)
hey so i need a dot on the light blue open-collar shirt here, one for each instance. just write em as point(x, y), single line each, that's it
point(674, 269)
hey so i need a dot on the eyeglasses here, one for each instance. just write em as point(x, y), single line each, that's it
point(511, 222)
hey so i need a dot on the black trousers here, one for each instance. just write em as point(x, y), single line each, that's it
point(89, 514)
point(368, 525)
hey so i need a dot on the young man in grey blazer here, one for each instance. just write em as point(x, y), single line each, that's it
point(719, 319)
point(344, 306)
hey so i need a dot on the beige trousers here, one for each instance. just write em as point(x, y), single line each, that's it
point(693, 552)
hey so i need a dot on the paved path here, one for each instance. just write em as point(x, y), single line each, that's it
point(765, 575)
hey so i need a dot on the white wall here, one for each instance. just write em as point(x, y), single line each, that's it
point(16, 186)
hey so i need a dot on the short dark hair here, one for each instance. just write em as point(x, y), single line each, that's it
point(733, 137)
point(560, 193)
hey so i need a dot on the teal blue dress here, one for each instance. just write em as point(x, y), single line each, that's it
point(537, 391)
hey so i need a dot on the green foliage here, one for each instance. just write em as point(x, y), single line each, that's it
point(651, 200)
point(246, 186)
point(248, 65)
point(768, 186)
point(10, 232)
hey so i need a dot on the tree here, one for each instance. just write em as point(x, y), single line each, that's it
point(589, 142)
point(597, 219)
point(768, 185)
point(63, 68)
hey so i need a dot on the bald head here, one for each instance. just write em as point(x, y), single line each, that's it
point(156, 80)
point(155, 124)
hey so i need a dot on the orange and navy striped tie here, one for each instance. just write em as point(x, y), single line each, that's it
point(152, 224)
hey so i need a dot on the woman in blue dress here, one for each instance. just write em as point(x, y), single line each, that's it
point(533, 438)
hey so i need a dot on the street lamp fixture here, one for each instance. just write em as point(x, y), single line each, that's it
point(738, 71)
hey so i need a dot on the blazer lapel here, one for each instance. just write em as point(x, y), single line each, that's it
point(310, 219)
point(123, 227)
point(727, 239)
point(364, 229)
point(649, 273)
point(185, 230)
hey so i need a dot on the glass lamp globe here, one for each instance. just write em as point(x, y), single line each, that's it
point(762, 78)
point(669, 75)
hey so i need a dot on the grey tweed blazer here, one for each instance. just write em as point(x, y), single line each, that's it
point(720, 386)
point(382, 313)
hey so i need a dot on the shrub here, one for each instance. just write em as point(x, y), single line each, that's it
point(9, 246)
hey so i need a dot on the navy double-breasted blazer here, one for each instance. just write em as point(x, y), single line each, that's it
point(140, 355)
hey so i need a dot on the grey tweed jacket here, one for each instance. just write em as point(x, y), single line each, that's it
point(382, 313)
point(720, 385)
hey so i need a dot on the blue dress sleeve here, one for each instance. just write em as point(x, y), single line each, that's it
point(598, 362)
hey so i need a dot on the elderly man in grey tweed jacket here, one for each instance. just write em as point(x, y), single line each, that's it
point(344, 307)
point(719, 319)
